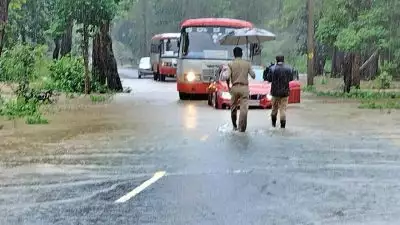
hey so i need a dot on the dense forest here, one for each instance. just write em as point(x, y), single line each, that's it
point(354, 39)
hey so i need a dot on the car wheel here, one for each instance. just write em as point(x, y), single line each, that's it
point(183, 96)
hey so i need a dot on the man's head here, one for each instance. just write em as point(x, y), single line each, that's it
point(280, 59)
point(237, 52)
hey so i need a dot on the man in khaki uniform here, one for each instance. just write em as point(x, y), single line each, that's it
point(279, 75)
point(239, 71)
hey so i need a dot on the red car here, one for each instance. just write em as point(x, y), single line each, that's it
point(219, 96)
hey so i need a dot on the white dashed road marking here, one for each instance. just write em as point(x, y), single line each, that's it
point(143, 186)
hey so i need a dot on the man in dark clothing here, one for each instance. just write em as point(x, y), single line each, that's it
point(279, 75)
point(267, 70)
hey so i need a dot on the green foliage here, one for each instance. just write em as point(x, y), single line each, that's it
point(362, 26)
point(384, 80)
point(309, 88)
point(36, 118)
point(90, 12)
point(369, 99)
point(19, 63)
point(324, 80)
point(67, 75)
point(379, 105)
point(99, 98)
point(355, 94)
point(18, 107)
point(98, 88)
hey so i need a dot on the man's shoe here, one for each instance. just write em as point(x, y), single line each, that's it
point(273, 120)
point(283, 123)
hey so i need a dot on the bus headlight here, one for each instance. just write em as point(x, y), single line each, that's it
point(269, 97)
point(190, 76)
point(166, 64)
point(226, 95)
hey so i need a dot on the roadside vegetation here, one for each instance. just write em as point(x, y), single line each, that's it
point(380, 93)
point(44, 55)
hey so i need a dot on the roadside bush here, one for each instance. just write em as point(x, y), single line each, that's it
point(17, 108)
point(20, 65)
point(36, 118)
point(384, 80)
point(67, 75)
point(100, 98)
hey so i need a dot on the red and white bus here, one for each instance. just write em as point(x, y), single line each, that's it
point(163, 55)
point(200, 53)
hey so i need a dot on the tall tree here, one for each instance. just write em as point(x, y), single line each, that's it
point(4, 4)
point(104, 66)
point(310, 43)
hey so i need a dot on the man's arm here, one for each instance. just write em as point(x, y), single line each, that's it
point(229, 75)
point(265, 74)
point(251, 72)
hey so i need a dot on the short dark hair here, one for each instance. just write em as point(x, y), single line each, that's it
point(280, 58)
point(237, 52)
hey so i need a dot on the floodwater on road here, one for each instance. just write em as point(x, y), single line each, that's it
point(334, 164)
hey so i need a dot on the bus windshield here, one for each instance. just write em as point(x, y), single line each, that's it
point(170, 47)
point(202, 43)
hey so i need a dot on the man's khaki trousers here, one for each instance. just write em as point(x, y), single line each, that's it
point(239, 95)
point(279, 104)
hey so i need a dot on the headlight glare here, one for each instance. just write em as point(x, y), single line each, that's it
point(226, 95)
point(190, 76)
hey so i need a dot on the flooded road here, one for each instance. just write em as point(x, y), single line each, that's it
point(179, 163)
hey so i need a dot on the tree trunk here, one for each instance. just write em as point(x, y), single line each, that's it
point(98, 71)
point(347, 67)
point(319, 63)
point(85, 50)
point(310, 43)
point(66, 42)
point(374, 68)
point(369, 68)
point(337, 64)
point(3, 21)
point(105, 67)
point(333, 65)
point(355, 71)
point(144, 48)
point(56, 51)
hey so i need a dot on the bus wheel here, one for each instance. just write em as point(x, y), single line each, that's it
point(162, 77)
point(155, 76)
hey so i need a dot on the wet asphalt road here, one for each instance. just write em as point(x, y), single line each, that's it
point(311, 173)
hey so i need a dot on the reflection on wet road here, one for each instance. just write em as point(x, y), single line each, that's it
point(328, 167)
